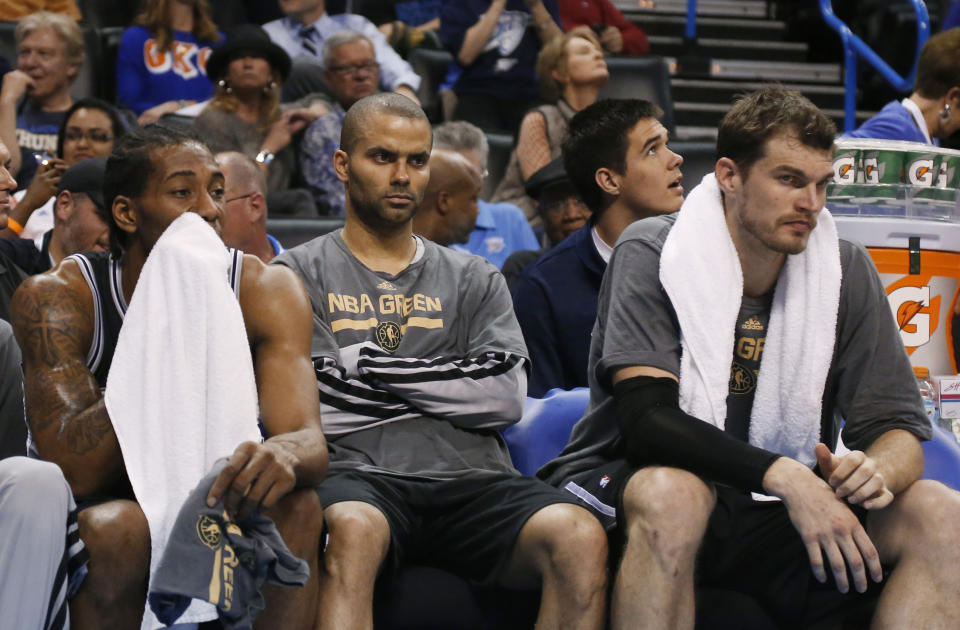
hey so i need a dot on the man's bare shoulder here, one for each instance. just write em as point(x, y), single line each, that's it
point(271, 297)
point(52, 314)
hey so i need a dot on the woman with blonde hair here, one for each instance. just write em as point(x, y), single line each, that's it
point(245, 114)
point(571, 71)
point(162, 61)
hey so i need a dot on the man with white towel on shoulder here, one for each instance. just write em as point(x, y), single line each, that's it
point(68, 323)
point(731, 339)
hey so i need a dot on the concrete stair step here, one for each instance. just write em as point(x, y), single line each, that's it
point(720, 8)
point(719, 48)
point(705, 115)
point(785, 71)
point(696, 132)
point(722, 91)
point(739, 28)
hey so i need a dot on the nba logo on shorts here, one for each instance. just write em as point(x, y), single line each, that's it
point(604, 481)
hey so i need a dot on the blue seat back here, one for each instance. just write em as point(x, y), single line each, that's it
point(942, 459)
point(545, 427)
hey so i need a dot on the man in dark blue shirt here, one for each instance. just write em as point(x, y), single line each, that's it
point(497, 42)
point(617, 157)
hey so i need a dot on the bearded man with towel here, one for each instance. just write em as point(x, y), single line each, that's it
point(680, 451)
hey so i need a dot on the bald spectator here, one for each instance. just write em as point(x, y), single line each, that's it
point(13, 10)
point(351, 72)
point(34, 98)
point(245, 207)
point(448, 212)
point(502, 228)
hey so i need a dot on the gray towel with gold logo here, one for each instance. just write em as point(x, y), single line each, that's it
point(212, 558)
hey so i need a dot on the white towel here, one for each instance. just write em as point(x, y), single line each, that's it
point(181, 391)
point(700, 271)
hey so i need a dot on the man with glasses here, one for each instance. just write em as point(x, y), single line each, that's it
point(245, 207)
point(306, 29)
point(351, 72)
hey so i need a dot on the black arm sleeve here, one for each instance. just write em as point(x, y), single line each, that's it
point(656, 431)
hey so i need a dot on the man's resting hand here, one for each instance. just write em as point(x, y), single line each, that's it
point(256, 477)
point(825, 524)
point(855, 477)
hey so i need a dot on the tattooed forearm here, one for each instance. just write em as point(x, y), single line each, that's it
point(68, 396)
point(87, 430)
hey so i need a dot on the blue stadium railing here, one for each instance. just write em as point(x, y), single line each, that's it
point(854, 47)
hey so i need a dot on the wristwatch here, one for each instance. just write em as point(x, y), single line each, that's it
point(264, 157)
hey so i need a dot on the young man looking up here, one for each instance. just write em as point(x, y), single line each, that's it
point(616, 156)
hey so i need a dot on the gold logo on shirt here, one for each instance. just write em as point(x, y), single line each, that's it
point(742, 380)
point(389, 336)
point(752, 323)
point(208, 530)
point(386, 286)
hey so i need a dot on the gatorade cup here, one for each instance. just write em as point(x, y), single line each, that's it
point(922, 170)
point(846, 160)
point(948, 177)
point(846, 166)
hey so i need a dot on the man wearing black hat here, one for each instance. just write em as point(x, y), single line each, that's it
point(560, 208)
point(245, 113)
point(617, 158)
point(77, 223)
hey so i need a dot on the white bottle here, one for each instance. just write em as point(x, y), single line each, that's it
point(928, 392)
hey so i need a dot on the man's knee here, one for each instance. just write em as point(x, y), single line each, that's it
point(668, 507)
point(925, 522)
point(357, 529)
point(568, 546)
point(298, 516)
point(569, 536)
point(118, 538)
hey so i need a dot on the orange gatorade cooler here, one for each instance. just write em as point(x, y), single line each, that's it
point(919, 264)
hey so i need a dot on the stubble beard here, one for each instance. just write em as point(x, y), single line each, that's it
point(768, 238)
point(374, 216)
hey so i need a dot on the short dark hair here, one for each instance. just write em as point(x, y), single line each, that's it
point(117, 128)
point(937, 67)
point(772, 110)
point(129, 168)
point(597, 138)
point(389, 103)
